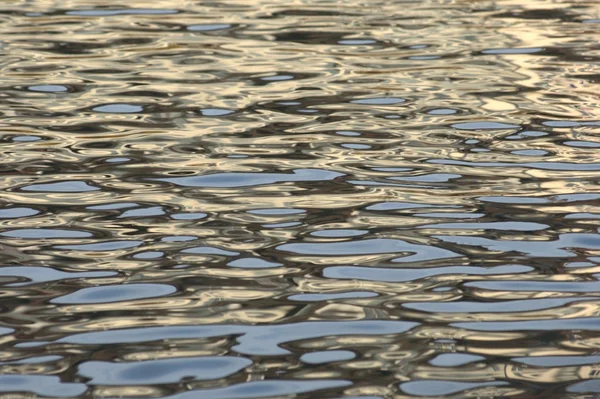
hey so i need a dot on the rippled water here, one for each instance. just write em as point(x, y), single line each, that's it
point(311, 199)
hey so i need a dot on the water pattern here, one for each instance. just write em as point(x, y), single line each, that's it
point(310, 199)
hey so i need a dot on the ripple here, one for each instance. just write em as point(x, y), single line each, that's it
point(143, 212)
point(189, 216)
point(178, 238)
point(514, 200)
point(216, 112)
point(118, 205)
point(549, 249)
point(451, 215)
point(115, 293)
point(122, 11)
point(207, 27)
point(339, 233)
point(102, 246)
point(149, 255)
point(530, 50)
point(45, 274)
point(585, 324)
point(582, 144)
point(557, 361)
point(483, 126)
point(363, 200)
point(561, 123)
point(253, 263)
point(525, 135)
point(254, 340)
point(6, 331)
point(530, 153)
point(281, 225)
point(277, 78)
point(514, 226)
point(24, 139)
point(355, 42)
point(439, 387)
point(454, 359)
point(372, 246)
point(162, 371)
point(331, 297)
point(484, 307)
point(118, 160)
point(431, 178)
point(276, 211)
point(348, 133)
point(13, 213)
point(442, 111)
point(118, 108)
point(45, 233)
point(379, 101)
point(394, 206)
point(580, 216)
point(327, 357)
point(42, 385)
point(252, 179)
point(589, 386)
point(49, 88)
point(356, 146)
point(61, 187)
point(553, 286)
point(261, 389)
point(209, 251)
point(36, 360)
point(381, 274)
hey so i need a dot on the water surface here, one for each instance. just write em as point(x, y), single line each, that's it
point(309, 199)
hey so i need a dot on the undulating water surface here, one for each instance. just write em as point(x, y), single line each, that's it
point(238, 199)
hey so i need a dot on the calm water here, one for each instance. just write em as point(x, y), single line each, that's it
point(310, 198)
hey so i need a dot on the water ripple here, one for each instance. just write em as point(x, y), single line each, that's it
point(343, 200)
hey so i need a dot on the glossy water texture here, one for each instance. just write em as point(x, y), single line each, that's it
point(237, 199)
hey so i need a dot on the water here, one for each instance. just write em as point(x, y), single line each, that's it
point(310, 199)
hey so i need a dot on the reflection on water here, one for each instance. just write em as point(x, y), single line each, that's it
point(257, 199)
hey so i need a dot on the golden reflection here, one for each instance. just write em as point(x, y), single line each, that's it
point(412, 182)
